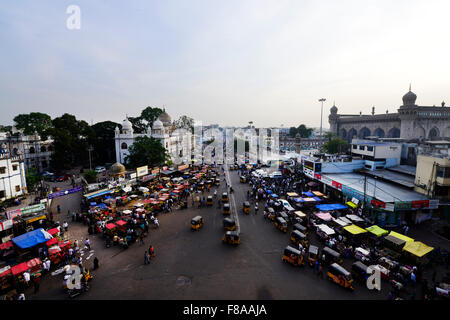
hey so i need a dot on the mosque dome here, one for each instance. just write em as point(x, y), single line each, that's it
point(158, 124)
point(334, 109)
point(165, 118)
point(117, 169)
point(126, 124)
point(409, 99)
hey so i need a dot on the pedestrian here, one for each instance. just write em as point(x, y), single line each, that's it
point(316, 267)
point(73, 216)
point(65, 226)
point(26, 277)
point(87, 243)
point(141, 239)
point(320, 273)
point(21, 296)
point(256, 208)
point(58, 208)
point(406, 230)
point(96, 263)
point(146, 258)
point(36, 283)
point(413, 278)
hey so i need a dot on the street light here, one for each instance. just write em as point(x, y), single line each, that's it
point(321, 113)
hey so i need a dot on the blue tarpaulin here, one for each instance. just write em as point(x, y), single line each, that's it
point(274, 195)
point(299, 200)
point(102, 206)
point(329, 207)
point(269, 191)
point(317, 199)
point(309, 194)
point(100, 194)
point(32, 238)
point(93, 204)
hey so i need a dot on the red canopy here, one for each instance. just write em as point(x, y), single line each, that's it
point(52, 242)
point(110, 226)
point(6, 245)
point(53, 231)
point(64, 244)
point(19, 268)
point(34, 262)
point(54, 250)
point(5, 273)
point(121, 222)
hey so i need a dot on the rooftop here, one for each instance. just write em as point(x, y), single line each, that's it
point(394, 177)
point(405, 169)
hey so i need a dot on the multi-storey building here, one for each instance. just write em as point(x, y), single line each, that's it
point(12, 177)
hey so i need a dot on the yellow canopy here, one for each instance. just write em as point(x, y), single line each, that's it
point(292, 194)
point(300, 214)
point(317, 193)
point(351, 204)
point(401, 237)
point(376, 230)
point(417, 248)
point(353, 229)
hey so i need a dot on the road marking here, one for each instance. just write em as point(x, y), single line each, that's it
point(235, 214)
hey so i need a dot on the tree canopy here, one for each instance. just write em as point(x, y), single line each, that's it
point(185, 122)
point(33, 122)
point(104, 145)
point(146, 119)
point(335, 145)
point(304, 131)
point(146, 151)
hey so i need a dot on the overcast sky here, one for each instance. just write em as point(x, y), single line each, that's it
point(225, 62)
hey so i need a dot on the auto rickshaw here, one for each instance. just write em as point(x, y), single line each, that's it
point(226, 208)
point(293, 256)
point(339, 275)
point(281, 224)
point(313, 255)
point(209, 201)
point(284, 216)
point(246, 207)
point(360, 271)
point(229, 224)
point(331, 256)
point(243, 179)
point(217, 182)
point(271, 214)
point(196, 223)
point(201, 186)
point(301, 228)
point(298, 237)
point(231, 237)
point(224, 197)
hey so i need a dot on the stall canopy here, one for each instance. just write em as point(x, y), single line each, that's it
point(354, 218)
point(351, 204)
point(19, 268)
point(32, 238)
point(53, 231)
point(330, 207)
point(341, 222)
point(354, 229)
point(292, 194)
point(326, 229)
point(6, 245)
point(417, 248)
point(300, 214)
point(317, 193)
point(400, 236)
point(121, 223)
point(309, 194)
point(110, 226)
point(324, 216)
point(97, 193)
point(376, 230)
point(52, 242)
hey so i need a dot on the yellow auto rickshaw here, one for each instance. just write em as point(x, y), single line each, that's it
point(209, 201)
point(298, 237)
point(224, 197)
point(281, 224)
point(339, 275)
point(293, 256)
point(271, 214)
point(196, 223)
point(243, 179)
point(229, 224)
point(313, 255)
point(231, 237)
point(246, 207)
point(226, 208)
point(217, 182)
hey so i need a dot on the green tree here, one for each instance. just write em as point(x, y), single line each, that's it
point(335, 145)
point(146, 151)
point(304, 131)
point(31, 178)
point(104, 145)
point(90, 176)
point(5, 128)
point(146, 119)
point(293, 131)
point(72, 139)
point(33, 122)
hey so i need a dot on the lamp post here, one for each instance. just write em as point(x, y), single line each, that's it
point(322, 100)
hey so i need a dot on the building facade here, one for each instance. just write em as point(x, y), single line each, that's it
point(411, 122)
point(176, 142)
point(12, 177)
point(34, 151)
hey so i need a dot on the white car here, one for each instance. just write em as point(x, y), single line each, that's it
point(286, 205)
point(100, 169)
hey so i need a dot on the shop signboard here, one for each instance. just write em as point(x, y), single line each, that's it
point(337, 185)
point(433, 204)
point(420, 204)
point(142, 171)
point(389, 207)
point(403, 205)
point(155, 171)
point(26, 210)
point(133, 176)
point(64, 193)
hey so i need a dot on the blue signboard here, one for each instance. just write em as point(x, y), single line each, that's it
point(64, 193)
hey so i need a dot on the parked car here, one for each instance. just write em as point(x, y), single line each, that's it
point(286, 205)
point(64, 177)
point(100, 169)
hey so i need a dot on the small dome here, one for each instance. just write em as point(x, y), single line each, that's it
point(165, 118)
point(409, 99)
point(117, 169)
point(334, 109)
point(126, 124)
point(158, 124)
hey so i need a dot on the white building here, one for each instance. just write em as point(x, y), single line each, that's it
point(177, 142)
point(35, 152)
point(12, 177)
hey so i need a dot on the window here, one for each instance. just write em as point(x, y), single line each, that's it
point(369, 148)
point(17, 188)
point(380, 167)
point(443, 172)
point(44, 164)
point(2, 193)
point(50, 148)
point(43, 149)
point(15, 167)
point(2, 170)
point(124, 145)
point(355, 146)
point(361, 148)
point(368, 166)
point(32, 150)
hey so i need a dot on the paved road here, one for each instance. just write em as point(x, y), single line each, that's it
point(196, 265)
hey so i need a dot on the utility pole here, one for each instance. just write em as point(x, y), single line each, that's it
point(365, 188)
point(321, 113)
point(90, 162)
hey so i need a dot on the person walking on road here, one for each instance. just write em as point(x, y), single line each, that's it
point(320, 272)
point(96, 263)
point(87, 243)
point(146, 258)
point(256, 208)
point(65, 226)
